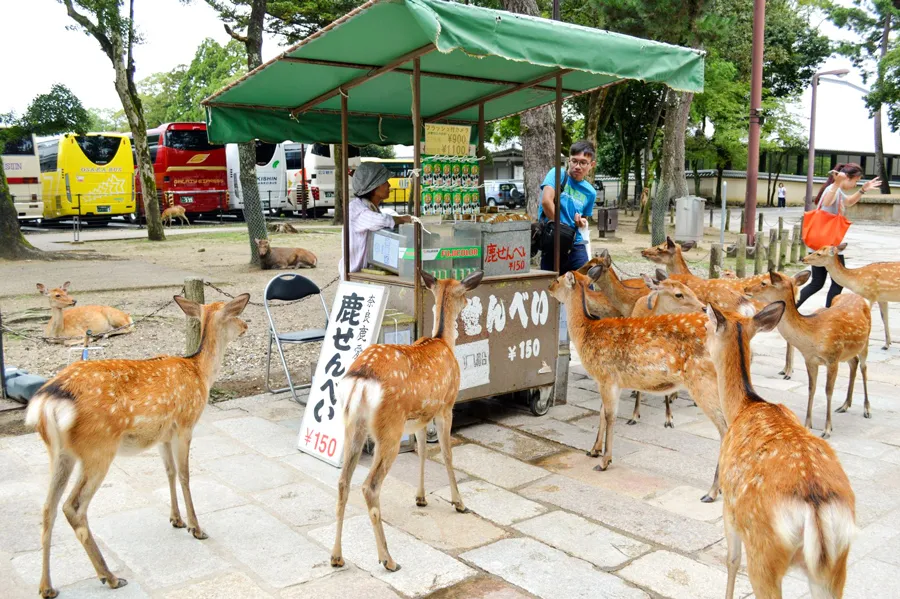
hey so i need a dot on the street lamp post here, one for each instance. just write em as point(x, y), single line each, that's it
point(812, 133)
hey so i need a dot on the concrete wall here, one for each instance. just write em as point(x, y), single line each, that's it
point(884, 208)
point(737, 187)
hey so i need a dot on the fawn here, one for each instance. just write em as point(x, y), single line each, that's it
point(174, 212)
point(829, 336)
point(68, 321)
point(878, 282)
point(658, 354)
point(92, 410)
point(669, 254)
point(270, 257)
point(785, 494)
point(390, 390)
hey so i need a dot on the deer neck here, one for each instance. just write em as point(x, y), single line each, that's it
point(678, 266)
point(208, 358)
point(56, 327)
point(578, 317)
point(733, 373)
point(612, 287)
point(840, 273)
point(793, 323)
point(445, 325)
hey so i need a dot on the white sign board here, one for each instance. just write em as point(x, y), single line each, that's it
point(474, 364)
point(352, 326)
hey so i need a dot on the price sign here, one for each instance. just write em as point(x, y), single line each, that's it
point(353, 325)
point(447, 140)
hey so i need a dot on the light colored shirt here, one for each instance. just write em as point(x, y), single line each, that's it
point(782, 192)
point(576, 198)
point(363, 217)
point(839, 198)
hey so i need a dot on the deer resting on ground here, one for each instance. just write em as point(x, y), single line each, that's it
point(69, 321)
point(270, 257)
point(390, 390)
point(785, 495)
point(93, 410)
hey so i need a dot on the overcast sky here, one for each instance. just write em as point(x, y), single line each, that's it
point(40, 51)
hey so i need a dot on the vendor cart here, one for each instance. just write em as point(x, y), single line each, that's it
point(381, 73)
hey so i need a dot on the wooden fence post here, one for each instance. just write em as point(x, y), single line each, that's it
point(781, 240)
point(759, 227)
point(743, 220)
point(715, 261)
point(772, 252)
point(728, 219)
point(740, 266)
point(795, 245)
point(710, 217)
point(759, 250)
point(193, 290)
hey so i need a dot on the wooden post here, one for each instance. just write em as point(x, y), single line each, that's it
point(710, 217)
point(715, 261)
point(795, 245)
point(772, 253)
point(785, 258)
point(740, 266)
point(671, 215)
point(759, 227)
point(728, 219)
point(781, 240)
point(193, 290)
point(743, 215)
point(758, 251)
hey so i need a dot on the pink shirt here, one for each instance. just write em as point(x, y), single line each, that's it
point(363, 219)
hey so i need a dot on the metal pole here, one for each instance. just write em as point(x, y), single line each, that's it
point(555, 10)
point(345, 185)
point(2, 363)
point(557, 147)
point(417, 204)
point(480, 154)
point(724, 203)
point(811, 155)
point(759, 25)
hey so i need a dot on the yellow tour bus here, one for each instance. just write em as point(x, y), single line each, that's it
point(400, 171)
point(100, 171)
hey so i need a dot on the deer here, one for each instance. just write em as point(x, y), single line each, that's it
point(390, 390)
point(270, 257)
point(70, 322)
point(829, 336)
point(658, 354)
point(174, 212)
point(669, 254)
point(878, 282)
point(622, 294)
point(785, 495)
point(93, 410)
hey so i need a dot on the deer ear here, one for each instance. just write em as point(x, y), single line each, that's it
point(191, 309)
point(65, 286)
point(595, 273)
point(715, 317)
point(661, 275)
point(775, 277)
point(42, 290)
point(802, 277)
point(688, 246)
point(651, 300)
point(670, 243)
point(842, 247)
point(429, 280)
point(648, 281)
point(570, 279)
point(768, 318)
point(257, 241)
point(473, 280)
point(237, 305)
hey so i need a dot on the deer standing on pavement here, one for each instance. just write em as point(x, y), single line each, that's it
point(657, 354)
point(877, 282)
point(92, 410)
point(784, 492)
point(174, 212)
point(622, 294)
point(829, 336)
point(73, 322)
point(390, 390)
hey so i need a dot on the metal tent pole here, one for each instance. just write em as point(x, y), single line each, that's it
point(417, 205)
point(556, 150)
point(345, 185)
point(480, 153)
point(759, 27)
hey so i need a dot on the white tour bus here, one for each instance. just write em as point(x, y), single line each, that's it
point(317, 165)
point(271, 177)
point(23, 173)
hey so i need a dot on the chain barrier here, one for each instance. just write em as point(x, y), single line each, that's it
point(262, 305)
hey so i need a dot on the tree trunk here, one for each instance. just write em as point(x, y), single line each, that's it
point(538, 132)
point(672, 181)
point(880, 168)
point(696, 177)
point(596, 104)
point(638, 176)
point(720, 171)
point(643, 223)
point(13, 245)
point(338, 185)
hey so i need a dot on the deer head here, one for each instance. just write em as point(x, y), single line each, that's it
point(779, 287)
point(674, 297)
point(449, 298)
point(665, 252)
point(824, 256)
point(564, 285)
point(59, 297)
point(262, 245)
point(218, 317)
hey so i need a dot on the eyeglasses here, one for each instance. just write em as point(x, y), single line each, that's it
point(581, 163)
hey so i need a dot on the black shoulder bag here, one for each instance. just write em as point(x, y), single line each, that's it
point(546, 229)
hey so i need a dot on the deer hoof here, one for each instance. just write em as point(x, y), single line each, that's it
point(826, 435)
point(708, 499)
point(177, 522)
point(50, 593)
point(631, 421)
point(198, 534)
point(787, 377)
point(592, 454)
point(841, 409)
point(867, 414)
point(602, 466)
point(390, 566)
point(885, 347)
point(669, 424)
point(114, 583)
point(421, 501)
point(462, 509)
point(337, 561)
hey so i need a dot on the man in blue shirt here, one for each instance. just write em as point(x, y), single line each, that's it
point(575, 205)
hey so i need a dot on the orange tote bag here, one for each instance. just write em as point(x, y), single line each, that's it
point(821, 228)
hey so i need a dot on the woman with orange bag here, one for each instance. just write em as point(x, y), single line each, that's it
point(835, 197)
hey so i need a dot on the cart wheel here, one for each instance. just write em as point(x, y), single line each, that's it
point(540, 400)
point(431, 434)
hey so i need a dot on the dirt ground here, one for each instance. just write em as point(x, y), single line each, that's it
point(221, 258)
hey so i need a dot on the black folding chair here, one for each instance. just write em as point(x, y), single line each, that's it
point(290, 287)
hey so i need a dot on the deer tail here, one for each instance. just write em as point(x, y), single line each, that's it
point(828, 530)
point(359, 396)
point(52, 415)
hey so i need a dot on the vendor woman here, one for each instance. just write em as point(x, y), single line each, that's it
point(371, 187)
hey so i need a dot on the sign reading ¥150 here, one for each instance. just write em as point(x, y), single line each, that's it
point(447, 140)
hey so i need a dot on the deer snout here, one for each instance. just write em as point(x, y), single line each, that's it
point(73, 302)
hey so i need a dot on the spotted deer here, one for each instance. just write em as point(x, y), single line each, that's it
point(785, 495)
point(622, 294)
point(829, 336)
point(669, 254)
point(69, 321)
point(92, 410)
point(877, 282)
point(390, 390)
point(656, 354)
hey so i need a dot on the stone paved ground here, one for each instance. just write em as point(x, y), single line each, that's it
point(543, 523)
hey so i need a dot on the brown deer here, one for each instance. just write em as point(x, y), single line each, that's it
point(390, 390)
point(657, 354)
point(622, 294)
point(68, 321)
point(829, 336)
point(92, 410)
point(785, 494)
point(176, 213)
point(877, 282)
point(668, 253)
point(270, 257)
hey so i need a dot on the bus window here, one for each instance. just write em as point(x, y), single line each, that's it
point(194, 140)
point(324, 150)
point(154, 150)
point(49, 153)
point(24, 146)
point(293, 157)
point(264, 153)
point(99, 149)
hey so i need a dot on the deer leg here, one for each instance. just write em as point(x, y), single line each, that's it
point(636, 414)
point(830, 376)
point(670, 423)
point(849, 401)
point(61, 466)
point(356, 433)
point(421, 440)
point(93, 472)
point(386, 450)
point(183, 453)
point(733, 562)
point(788, 362)
point(610, 397)
point(867, 413)
point(165, 450)
point(766, 569)
point(597, 449)
point(443, 423)
point(812, 372)
point(883, 306)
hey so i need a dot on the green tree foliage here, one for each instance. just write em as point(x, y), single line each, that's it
point(886, 92)
point(374, 151)
point(55, 112)
point(107, 119)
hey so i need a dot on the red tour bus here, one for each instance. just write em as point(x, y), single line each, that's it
point(190, 171)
